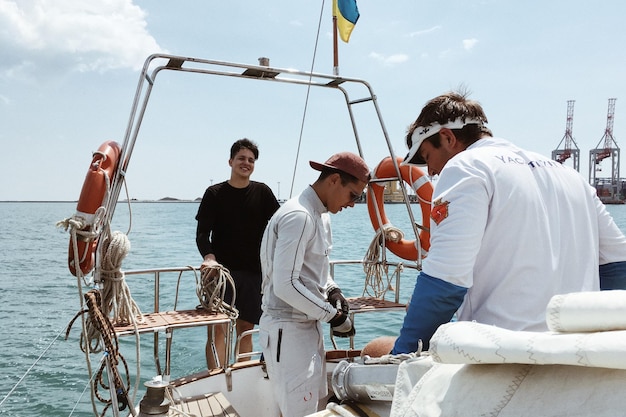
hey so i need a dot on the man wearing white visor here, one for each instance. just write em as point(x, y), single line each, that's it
point(511, 228)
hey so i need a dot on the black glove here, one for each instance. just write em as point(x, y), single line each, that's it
point(335, 295)
point(342, 326)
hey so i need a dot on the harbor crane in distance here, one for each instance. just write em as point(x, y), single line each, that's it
point(563, 154)
point(607, 148)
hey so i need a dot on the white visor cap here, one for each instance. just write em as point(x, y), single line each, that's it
point(423, 132)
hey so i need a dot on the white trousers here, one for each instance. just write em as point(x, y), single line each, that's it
point(295, 359)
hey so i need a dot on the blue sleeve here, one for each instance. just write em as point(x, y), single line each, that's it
point(433, 303)
point(613, 276)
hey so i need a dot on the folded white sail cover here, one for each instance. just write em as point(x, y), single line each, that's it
point(587, 311)
point(427, 389)
point(470, 342)
point(481, 370)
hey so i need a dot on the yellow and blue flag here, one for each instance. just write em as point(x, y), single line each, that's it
point(347, 15)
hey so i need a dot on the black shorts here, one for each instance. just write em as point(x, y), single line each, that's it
point(248, 299)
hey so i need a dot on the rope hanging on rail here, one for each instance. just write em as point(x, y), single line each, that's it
point(212, 288)
point(117, 302)
point(377, 278)
point(104, 327)
point(86, 230)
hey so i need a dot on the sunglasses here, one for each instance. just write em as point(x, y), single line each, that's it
point(353, 196)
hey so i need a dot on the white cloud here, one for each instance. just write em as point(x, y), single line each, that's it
point(77, 35)
point(425, 31)
point(390, 60)
point(468, 44)
point(18, 71)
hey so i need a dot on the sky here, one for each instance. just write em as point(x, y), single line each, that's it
point(69, 70)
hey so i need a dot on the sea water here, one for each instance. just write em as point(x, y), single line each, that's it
point(39, 296)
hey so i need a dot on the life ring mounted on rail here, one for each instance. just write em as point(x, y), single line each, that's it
point(419, 182)
point(93, 195)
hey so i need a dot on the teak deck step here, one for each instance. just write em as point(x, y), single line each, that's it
point(167, 320)
point(367, 304)
point(207, 405)
point(164, 320)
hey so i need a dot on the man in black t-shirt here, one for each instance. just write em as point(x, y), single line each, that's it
point(231, 219)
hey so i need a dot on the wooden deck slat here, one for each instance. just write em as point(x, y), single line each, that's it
point(199, 317)
point(207, 405)
point(365, 304)
point(171, 319)
point(193, 407)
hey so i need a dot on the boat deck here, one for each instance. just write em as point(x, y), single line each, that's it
point(169, 320)
point(370, 304)
point(207, 405)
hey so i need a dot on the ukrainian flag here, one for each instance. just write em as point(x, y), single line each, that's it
point(347, 14)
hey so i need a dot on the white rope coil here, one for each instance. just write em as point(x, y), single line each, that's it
point(338, 409)
point(212, 288)
point(86, 228)
point(117, 301)
point(391, 359)
point(377, 278)
point(394, 359)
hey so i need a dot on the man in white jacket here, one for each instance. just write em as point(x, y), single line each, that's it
point(298, 291)
point(510, 228)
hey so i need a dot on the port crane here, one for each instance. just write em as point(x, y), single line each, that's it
point(570, 148)
point(607, 148)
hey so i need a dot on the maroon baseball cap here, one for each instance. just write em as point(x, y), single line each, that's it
point(347, 162)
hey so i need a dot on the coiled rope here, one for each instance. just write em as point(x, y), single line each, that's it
point(338, 409)
point(117, 303)
point(116, 298)
point(394, 359)
point(377, 278)
point(104, 327)
point(211, 290)
point(89, 229)
point(176, 407)
point(84, 229)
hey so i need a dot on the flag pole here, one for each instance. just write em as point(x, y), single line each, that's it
point(335, 46)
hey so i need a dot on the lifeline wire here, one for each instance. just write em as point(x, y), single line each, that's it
point(306, 101)
point(30, 368)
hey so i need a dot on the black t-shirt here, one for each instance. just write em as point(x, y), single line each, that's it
point(231, 222)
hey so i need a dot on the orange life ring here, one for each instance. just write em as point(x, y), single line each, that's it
point(419, 182)
point(92, 196)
